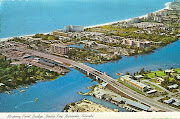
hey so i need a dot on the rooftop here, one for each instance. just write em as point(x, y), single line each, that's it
point(136, 104)
point(127, 77)
point(2, 84)
point(173, 86)
point(59, 45)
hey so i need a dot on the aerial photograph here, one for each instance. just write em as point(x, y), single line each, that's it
point(89, 56)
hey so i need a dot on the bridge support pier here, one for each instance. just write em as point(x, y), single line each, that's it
point(87, 73)
point(97, 77)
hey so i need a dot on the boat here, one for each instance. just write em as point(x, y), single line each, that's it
point(22, 91)
point(36, 99)
point(118, 73)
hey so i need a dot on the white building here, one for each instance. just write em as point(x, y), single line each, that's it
point(72, 28)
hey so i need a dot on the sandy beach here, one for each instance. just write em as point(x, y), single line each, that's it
point(110, 23)
point(98, 25)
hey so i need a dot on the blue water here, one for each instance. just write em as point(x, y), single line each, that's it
point(81, 46)
point(24, 17)
point(35, 16)
point(53, 95)
point(166, 57)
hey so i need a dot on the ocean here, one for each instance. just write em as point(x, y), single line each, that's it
point(21, 17)
point(25, 17)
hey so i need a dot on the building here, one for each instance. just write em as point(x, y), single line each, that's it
point(1, 84)
point(169, 71)
point(60, 49)
point(135, 43)
point(140, 86)
point(177, 104)
point(146, 25)
point(169, 101)
point(174, 86)
point(151, 91)
point(158, 19)
point(137, 105)
point(134, 20)
point(160, 79)
point(72, 28)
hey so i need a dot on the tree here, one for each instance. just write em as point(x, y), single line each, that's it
point(141, 71)
point(127, 73)
point(134, 74)
point(51, 38)
point(155, 74)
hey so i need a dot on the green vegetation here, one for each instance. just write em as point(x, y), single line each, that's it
point(14, 76)
point(129, 32)
point(90, 55)
point(156, 88)
point(155, 74)
point(135, 89)
point(178, 70)
point(46, 37)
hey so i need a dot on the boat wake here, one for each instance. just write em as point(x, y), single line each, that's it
point(26, 102)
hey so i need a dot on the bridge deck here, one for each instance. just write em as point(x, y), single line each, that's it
point(103, 77)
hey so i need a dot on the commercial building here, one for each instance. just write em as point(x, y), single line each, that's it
point(60, 49)
point(72, 28)
point(134, 20)
point(135, 43)
point(140, 86)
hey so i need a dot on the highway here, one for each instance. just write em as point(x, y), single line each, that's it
point(104, 77)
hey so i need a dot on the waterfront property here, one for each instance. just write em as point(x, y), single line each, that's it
point(72, 28)
point(136, 43)
point(60, 49)
point(140, 86)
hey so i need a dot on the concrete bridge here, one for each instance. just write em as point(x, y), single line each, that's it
point(99, 76)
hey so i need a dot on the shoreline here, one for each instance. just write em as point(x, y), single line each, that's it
point(110, 23)
point(97, 25)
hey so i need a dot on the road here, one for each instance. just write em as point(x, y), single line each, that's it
point(102, 76)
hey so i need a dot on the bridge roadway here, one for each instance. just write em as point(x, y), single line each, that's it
point(103, 77)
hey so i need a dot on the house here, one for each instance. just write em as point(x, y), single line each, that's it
point(177, 104)
point(174, 86)
point(178, 77)
point(159, 79)
point(138, 76)
point(151, 91)
point(2, 84)
point(169, 101)
point(168, 71)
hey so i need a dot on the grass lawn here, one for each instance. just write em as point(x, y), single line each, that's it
point(138, 91)
point(178, 70)
point(170, 79)
point(152, 74)
point(154, 81)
